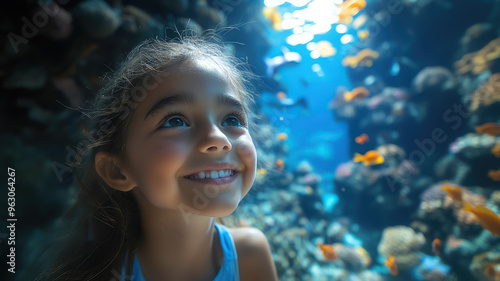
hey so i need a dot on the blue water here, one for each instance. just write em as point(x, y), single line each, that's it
point(313, 136)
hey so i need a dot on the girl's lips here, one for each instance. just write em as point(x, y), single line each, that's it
point(217, 181)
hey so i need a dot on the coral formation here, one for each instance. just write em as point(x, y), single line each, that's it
point(404, 244)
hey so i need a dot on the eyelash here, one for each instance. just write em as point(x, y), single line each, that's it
point(235, 114)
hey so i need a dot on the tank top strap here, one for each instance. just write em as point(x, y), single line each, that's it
point(229, 270)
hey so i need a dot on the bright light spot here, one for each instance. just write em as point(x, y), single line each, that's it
point(291, 23)
point(287, 15)
point(320, 28)
point(316, 67)
point(337, 2)
point(307, 27)
point(298, 30)
point(348, 38)
point(302, 38)
point(297, 14)
point(299, 3)
point(311, 46)
point(341, 28)
point(273, 3)
point(315, 54)
point(320, 73)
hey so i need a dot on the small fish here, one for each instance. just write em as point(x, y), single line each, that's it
point(453, 191)
point(328, 252)
point(491, 128)
point(282, 136)
point(363, 34)
point(436, 246)
point(371, 157)
point(356, 93)
point(390, 263)
point(261, 172)
point(286, 59)
point(488, 219)
point(281, 95)
point(496, 150)
point(494, 175)
point(280, 164)
point(363, 138)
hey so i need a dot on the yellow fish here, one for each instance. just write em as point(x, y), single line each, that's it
point(496, 150)
point(356, 93)
point(494, 175)
point(371, 157)
point(488, 219)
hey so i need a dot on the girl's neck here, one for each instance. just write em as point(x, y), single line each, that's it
point(173, 249)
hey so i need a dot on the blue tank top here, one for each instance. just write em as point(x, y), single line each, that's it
point(228, 271)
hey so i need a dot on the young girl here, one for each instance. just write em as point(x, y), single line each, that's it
point(170, 151)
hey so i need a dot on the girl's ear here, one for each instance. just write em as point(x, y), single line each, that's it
point(107, 166)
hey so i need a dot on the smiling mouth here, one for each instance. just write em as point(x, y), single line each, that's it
point(214, 174)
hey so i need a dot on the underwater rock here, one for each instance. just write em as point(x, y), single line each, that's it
point(404, 244)
point(473, 145)
point(486, 266)
point(485, 101)
point(495, 198)
point(483, 60)
point(433, 80)
point(96, 18)
point(354, 258)
point(477, 36)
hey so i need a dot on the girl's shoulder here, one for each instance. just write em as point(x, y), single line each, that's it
point(255, 260)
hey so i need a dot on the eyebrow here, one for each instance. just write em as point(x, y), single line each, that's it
point(184, 98)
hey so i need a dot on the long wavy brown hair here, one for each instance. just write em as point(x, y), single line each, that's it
point(103, 226)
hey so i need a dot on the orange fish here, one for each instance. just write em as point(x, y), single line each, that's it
point(494, 175)
point(281, 95)
point(282, 136)
point(488, 219)
point(372, 157)
point(390, 262)
point(362, 139)
point(328, 252)
point(490, 128)
point(496, 150)
point(436, 246)
point(453, 191)
point(356, 93)
point(280, 165)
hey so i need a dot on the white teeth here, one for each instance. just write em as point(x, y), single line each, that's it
point(212, 174)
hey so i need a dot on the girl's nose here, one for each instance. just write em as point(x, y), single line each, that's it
point(214, 140)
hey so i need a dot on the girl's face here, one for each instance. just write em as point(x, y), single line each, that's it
point(188, 145)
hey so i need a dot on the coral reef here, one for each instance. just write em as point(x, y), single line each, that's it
point(404, 244)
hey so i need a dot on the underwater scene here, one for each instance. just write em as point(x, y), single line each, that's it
point(377, 126)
